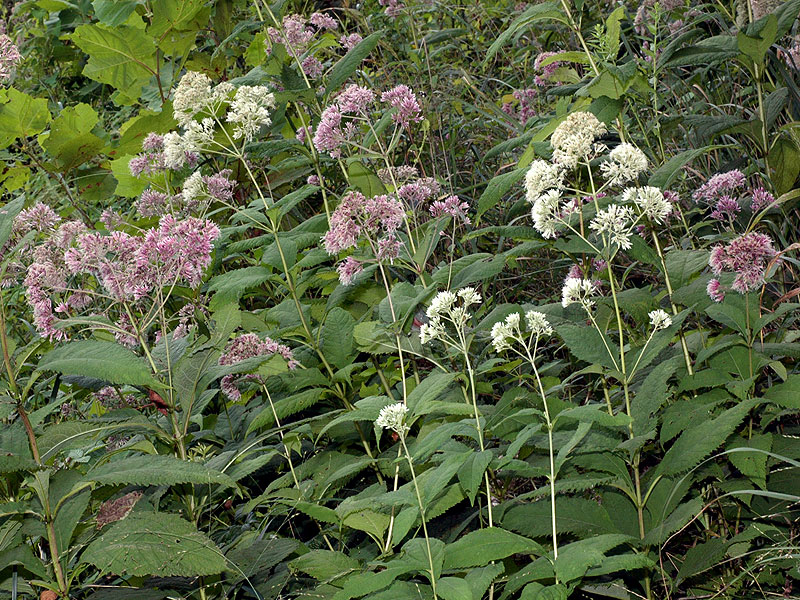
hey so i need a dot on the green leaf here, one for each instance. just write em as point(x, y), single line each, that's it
point(230, 286)
point(494, 544)
point(70, 141)
point(337, 337)
point(429, 389)
point(587, 345)
point(154, 544)
point(324, 565)
point(22, 117)
point(368, 521)
point(119, 56)
point(576, 558)
point(669, 171)
point(752, 464)
point(698, 442)
point(156, 470)
point(498, 187)
point(454, 588)
point(102, 360)
point(347, 65)
point(128, 186)
point(114, 12)
point(470, 474)
point(784, 158)
point(702, 557)
point(365, 180)
point(539, 12)
point(8, 213)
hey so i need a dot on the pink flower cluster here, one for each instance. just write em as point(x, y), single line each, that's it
point(249, 345)
point(296, 34)
point(546, 72)
point(350, 41)
point(405, 101)
point(151, 160)
point(747, 257)
point(357, 101)
point(526, 109)
point(394, 8)
point(451, 206)
point(9, 56)
point(127, 268)
point(720, 185)
point(376, 218)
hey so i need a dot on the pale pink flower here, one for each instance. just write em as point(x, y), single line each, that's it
point(405, 101)
point(747, 257)
point(348, 269)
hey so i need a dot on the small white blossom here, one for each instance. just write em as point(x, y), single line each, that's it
point(198, 135)
point(441, 303)
point(625, 163)
point(659, 319)
point(542, 176)
point(615, 221)
point(174, 154)
point(538, 324)
point(392, 416)
point(192, 188)
point(650, 201)
point(192, 95)
point(250, 110)
point(500, 334)
point(469, 296)
point(545, 214)
point(573, 140)
point(577, 290)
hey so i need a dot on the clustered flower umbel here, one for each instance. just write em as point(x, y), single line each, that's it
point(392, 417)
point(445, 308)
point(573, 141)
point(746, 257)
point(659, 319)
point(126, 268)
point(249, 345)
point(247, 108)
point(726, 193)
point(356, 102)
point(508, 331)
point(376, 219)
point(578, 290)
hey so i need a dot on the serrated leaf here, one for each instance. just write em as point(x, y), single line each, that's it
point(22, 117)
point(154, 544)
point(119, 56)
point(337, 337)
point(102, 360)
point(324, 565)
point(156, 470)
point(494, 544)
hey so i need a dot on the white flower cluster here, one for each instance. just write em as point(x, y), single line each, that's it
point(577, 290)
point(659, 319)
point(443, 308)
point(546, 214)
point(573, 140)
point(392, 417)
point(192, 95)
point(650, 201)
point(616, 221)
point(250, 110)
point(196, 136)
point(625, 163)
point(542, 176)
point(503, 331)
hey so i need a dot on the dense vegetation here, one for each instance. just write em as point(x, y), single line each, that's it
point(399, 299)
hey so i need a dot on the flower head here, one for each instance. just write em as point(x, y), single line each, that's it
point(573, 139)
point(719, 184)
point(625, 163)
point(541, 177)
point(250, 110)
point(546, 213)
point(659, 319)
point(614, 221)
point(392, 417)
point(577, 291)
point(651, 202)
point(746, 256)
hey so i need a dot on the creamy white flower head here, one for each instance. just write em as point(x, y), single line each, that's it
point(503, 331)
point(174, 154)
point(573, 139)
point(441, 303)
point(577, 290)
point(198, 135)
point(659, 319)
point(542, 176)
point(221, 92)
point(538, 324)
point(469, 296)
point(615, 221)
point(392, 417)
point(250, 110)
point(430, 331)
point(193, 187)
point(192, 95)
point(651, 202)
point(625, 163)
point(545, 214)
